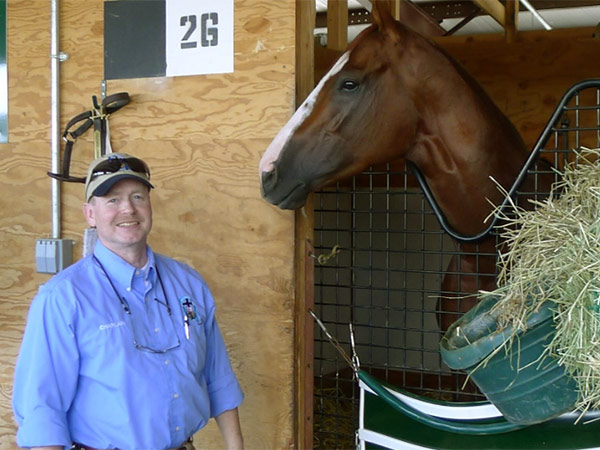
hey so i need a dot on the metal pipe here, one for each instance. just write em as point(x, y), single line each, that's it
point(54, 121)
point(536, 14)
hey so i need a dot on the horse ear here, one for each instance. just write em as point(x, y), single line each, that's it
point(381, 14)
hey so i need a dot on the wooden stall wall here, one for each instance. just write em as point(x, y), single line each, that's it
point(203, 137)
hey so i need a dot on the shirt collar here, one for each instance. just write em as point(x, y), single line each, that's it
point(120, 270)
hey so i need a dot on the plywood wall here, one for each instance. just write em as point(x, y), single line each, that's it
point(203, 137)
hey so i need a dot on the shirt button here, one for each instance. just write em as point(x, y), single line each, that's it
point(176, 428)
point(175, 395)
point(137, 272)
point(167, 362)
point(128, 289)
point(156, 330)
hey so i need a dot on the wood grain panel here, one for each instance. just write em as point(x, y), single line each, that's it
point(203, 137)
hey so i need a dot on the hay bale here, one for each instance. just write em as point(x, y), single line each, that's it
point(553, 253)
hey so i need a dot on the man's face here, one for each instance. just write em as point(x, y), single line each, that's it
point(122, 217)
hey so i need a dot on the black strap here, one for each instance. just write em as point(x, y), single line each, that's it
point(79, 124)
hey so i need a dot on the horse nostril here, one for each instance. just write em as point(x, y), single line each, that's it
point(269, 179)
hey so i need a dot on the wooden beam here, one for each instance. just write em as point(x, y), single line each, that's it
point(457, 9)
point(494, 8)
point(395, 5)
point(410, 14)
point(305, 49)
point(305, 320)
point(512, 21)
point(337, 24)
point(303, 232)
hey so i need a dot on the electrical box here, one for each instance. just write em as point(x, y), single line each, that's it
point(53, 255)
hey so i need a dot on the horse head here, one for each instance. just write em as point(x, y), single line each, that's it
point(394, 94)
point(344, 125)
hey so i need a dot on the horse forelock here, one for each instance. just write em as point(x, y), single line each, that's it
point(280, 141)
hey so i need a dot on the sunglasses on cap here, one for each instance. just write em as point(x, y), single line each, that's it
point(115, 164)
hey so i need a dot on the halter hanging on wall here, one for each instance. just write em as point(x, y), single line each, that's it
point(78, 125)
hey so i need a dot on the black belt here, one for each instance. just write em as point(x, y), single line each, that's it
point(87, 447)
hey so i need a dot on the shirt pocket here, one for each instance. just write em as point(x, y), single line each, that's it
point(195, 346)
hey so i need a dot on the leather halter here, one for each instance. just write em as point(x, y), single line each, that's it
point(97, 116)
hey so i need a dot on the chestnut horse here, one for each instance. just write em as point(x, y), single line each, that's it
point(395, 94)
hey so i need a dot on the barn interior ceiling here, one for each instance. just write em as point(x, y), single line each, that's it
point(465, 17)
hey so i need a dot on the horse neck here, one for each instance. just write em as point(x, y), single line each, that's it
point(462, 141)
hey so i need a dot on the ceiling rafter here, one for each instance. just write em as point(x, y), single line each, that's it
point(464, 10)
point(494, 8)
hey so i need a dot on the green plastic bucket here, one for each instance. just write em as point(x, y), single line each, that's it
point(526, 387)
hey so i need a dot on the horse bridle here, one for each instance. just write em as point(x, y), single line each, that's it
point(98, 117)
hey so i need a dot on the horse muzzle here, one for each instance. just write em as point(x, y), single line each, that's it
point(285, 194)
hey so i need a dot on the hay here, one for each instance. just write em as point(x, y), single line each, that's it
point(336, 419)
point(553, 253)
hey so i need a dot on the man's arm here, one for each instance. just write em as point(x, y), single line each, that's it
point(46, 372)
point(229, 425)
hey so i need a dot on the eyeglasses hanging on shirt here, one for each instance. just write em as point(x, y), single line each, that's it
point(139, 338)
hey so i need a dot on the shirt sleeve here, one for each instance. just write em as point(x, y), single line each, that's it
point(224, 390)
point(46, 373)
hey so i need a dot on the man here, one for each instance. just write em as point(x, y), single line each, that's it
point(122, 349)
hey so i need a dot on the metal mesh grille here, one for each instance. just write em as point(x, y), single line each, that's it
point(387, 278)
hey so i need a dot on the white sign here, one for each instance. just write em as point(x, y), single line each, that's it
point(199, 37)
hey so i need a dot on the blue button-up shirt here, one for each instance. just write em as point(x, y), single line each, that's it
point(92, 373)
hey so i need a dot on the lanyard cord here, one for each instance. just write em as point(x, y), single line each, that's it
point(122, 300)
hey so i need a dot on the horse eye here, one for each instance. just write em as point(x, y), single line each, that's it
point(349, 85)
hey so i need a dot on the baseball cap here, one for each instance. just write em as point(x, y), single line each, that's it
point(107, 170)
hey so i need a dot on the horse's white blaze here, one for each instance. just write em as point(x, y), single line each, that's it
point(279, 142)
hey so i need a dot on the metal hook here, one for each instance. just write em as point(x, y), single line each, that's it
point(322, 259)
point(355, 360)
